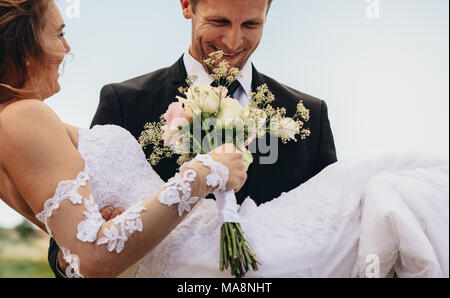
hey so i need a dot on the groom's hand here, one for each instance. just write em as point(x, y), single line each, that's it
point(110, 212)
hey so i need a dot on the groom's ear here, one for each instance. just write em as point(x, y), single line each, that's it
point(187, 8)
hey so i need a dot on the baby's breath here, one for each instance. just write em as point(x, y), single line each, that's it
point(183, 90)
point(152, 135)
point(302, 111)
point(262, 100)
point(190, 80)
point(221, 71)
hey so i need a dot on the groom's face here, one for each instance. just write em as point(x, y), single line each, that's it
point(233, 26)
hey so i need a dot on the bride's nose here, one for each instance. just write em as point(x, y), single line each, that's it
point(66, 46)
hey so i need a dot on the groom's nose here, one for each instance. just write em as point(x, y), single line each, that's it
point(232, 38)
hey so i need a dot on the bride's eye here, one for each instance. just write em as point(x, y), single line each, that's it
point(62, 34)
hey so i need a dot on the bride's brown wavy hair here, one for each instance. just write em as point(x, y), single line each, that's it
point(21, 25)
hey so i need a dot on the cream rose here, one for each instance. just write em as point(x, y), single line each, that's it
point(192, 108)
point(288, 128)
point(202, 98)
point(230, 112)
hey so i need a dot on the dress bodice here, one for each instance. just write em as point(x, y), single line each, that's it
point(120, 174)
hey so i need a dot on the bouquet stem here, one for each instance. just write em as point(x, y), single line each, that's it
point(235, 251)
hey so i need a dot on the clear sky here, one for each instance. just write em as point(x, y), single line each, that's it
point(381, 65)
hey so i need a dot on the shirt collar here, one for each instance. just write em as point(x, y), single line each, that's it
point(193, 67)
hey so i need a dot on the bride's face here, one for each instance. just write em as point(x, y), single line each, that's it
point(44, 76)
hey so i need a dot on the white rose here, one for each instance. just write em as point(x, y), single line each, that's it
point(230, 112)
point(288, 128)
point(192, 108)
point(203, 98)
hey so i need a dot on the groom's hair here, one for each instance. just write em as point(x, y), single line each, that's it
point(195, 2)
point(21, 25)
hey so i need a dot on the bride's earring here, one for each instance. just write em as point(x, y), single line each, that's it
point(27, 63)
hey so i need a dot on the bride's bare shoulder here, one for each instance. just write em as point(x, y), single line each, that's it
point(29, 106)
point(26, 112)
point(36, 150)
point(28, 123)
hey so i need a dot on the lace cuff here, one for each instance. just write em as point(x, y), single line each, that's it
point(179, 191)
point(219, 173)
point(177, 184)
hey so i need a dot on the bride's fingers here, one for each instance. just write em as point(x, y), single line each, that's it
point(107, 212)
point(110, 212)
point(117, 212)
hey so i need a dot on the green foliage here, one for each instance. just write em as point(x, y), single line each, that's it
point(4, 235)
point(15, 265)
point(25, 229)
point(23, 268)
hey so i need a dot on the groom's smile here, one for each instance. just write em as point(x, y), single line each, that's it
point(232, 26)
point(230, 56)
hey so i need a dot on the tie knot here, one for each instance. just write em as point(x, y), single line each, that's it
point(231, 89)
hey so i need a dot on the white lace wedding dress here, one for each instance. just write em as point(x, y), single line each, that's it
point(356, 218)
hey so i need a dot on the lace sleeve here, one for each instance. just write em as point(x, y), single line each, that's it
point(87, 231)
point(72, 217)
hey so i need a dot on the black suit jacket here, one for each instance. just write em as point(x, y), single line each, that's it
point(133, 103)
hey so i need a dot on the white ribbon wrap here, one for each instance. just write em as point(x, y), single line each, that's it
point(227, 206)
point(226, 200)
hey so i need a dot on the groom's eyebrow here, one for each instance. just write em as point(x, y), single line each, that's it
point(61, 27)
point(216, 17)
point(222, 18)
point(255, 20)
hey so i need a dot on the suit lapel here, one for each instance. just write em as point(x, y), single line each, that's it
point(177, 75)
point(257, 79)
point(177, 72)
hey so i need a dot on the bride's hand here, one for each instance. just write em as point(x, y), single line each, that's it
point(229, 156)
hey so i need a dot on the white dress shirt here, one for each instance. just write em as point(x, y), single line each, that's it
point(242, 94)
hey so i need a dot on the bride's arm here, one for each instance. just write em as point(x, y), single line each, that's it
point(40, 155)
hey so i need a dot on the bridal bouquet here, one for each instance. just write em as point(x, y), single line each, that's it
point(206, 117)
